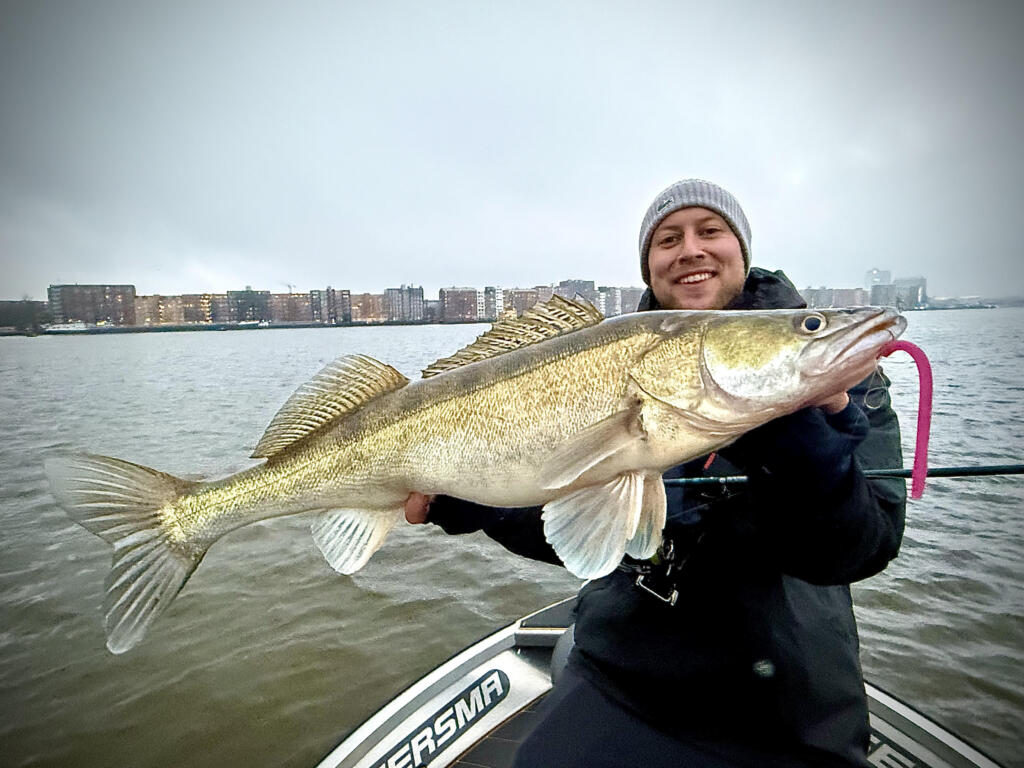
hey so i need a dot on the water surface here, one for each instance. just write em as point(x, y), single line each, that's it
point(268, 657)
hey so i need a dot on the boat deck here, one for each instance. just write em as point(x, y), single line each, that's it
point(497, 749)
point(475, 710)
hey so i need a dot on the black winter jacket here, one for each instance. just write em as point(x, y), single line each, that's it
point(760, 653)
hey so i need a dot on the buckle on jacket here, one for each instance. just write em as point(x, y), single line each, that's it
point(656, 580)
point(667, 593)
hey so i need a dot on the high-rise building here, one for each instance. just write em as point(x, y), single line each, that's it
point(609, 300)
point(248, 305)
point(851, 297)
point(196, 307)
point(520, 299)
point(95, 304)
point(820, 298)
point(368, 308)
point(291, 308)
point(875, 277)
point(631, 299)
point(461, 305)
point(344, 305)
point(570, 289)
point(147, 310)
point(494, 303)
point(220, 308)
point(912, 291)
point(405, 304)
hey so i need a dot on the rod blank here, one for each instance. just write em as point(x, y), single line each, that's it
point(982, 471)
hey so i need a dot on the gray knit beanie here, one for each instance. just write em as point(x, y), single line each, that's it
point(693, 193)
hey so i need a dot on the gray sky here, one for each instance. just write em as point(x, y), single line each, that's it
point(198, 145)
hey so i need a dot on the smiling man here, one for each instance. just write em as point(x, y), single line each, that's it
point(737, 644)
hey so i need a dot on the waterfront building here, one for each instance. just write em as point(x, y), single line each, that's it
point(459, 305)
point(431, 311)
point(405, 304)
point(93, 304)
point(570, 289)
point(850, 297)
point(344, 305)
point(220, 308)
point(291, 308)
point(323, 306)
point(494, 303)
point(875, 277)
point(248, 306)
point(147, 310)
point(886, 295)
point(817, 297)
point(544, 292)
point(368, 308)
point(520, 299)
point(609, 300)
point(196, 307)
point(631, 299)
point(912, 291)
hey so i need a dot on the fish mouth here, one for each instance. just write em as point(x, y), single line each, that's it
point(862, 342)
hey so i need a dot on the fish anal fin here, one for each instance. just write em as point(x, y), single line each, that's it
point(339, 388)
point(589, 528)
point(647, 538)
point(348, 537)
point(541, 322)
point(589, 447)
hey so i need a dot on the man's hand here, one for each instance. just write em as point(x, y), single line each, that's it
point(831, 404)
point(417, 507)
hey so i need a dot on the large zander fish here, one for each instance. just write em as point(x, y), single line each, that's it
point(555, 408)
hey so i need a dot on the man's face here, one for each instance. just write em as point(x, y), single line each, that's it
point(696, 261)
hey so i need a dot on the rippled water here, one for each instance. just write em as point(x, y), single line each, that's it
point(268, 657)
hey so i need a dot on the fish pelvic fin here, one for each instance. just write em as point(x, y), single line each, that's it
point(348, 537)
point(121, 503)
point(647, 538)
point(590, 527)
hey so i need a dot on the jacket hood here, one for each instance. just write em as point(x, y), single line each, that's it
point(763, 289)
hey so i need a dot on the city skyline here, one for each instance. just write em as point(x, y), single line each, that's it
point(198, 146)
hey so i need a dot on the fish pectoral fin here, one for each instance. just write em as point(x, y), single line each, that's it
point(121, 503)
point(348, 537)
point(647, 539)
point(589, 528)
point(590, 447)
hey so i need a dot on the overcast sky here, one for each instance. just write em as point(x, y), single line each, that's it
point(188, 146)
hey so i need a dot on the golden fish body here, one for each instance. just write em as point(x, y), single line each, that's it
point(583, 422)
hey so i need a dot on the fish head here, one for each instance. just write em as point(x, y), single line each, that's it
point(747, 367)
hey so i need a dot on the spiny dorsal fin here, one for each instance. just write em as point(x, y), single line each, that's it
point(346, 384)
point(542, 321)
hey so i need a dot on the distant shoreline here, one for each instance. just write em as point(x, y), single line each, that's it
point(188, 327)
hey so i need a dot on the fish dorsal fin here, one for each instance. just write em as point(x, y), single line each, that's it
point(542, 321)
point(341, 387)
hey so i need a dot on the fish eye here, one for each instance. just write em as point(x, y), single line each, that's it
point(813, 323)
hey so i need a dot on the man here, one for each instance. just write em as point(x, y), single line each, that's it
point(739, 646)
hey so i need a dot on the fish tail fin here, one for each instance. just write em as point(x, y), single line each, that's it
point(348, 537)
point(121, 503)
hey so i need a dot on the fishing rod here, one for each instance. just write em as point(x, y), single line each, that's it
point(981, 471)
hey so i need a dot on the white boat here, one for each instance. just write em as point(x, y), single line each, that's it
point(476, 708)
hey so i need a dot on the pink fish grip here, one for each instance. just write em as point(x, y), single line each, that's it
point(924, 412)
